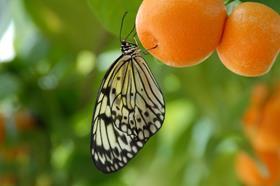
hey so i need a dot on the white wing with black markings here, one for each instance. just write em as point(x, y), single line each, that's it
point(129, 109)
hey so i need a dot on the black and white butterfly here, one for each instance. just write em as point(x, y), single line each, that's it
point(129, 109)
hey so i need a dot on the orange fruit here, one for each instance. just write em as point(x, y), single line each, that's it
point(2, 128)
point(24, 121)
point(250, 172)
point(267, 136)
point(253, 116)
point(251, 39)
point(180, 33)
point(262, 118)
point(8, 180)
point(259, 94)
point(11, 154)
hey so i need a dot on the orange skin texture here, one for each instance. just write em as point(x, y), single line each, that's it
point(181, 33)
point(249, 171)
point(251, 39)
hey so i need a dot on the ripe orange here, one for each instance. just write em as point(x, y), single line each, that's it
point(253, 116)
point(24, 121)
point(262, 118)
point(249, 171)
point(268, 133)
point(182, 33)
point(251, 39)
point(2, 129)
point(8, 180)
point(259, 95)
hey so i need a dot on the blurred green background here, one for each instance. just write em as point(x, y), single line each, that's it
point(54, 54)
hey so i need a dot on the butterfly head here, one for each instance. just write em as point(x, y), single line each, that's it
point(128, 48)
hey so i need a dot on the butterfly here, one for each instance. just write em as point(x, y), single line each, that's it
point(129, 109)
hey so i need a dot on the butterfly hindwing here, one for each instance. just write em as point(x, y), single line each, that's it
point(112, 148)
point(149, 109)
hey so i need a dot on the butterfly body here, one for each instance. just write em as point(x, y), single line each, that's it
point(129, 109)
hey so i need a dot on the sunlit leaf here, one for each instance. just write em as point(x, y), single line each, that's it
point(68, 23)
point(110, 13)
point(5, 16)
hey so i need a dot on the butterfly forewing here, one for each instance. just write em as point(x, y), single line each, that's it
point(129, 110)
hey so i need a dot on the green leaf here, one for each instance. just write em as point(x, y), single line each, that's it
point(68, 23)
point(9, 85)
point(5, 16)
point(110, 13)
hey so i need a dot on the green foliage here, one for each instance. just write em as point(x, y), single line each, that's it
point(109, 13)
point(5, 16)
point(67, 22)
point(63, 49)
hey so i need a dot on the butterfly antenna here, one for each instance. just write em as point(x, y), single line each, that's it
point(134, 35)
point(135, 40)
point(132, 30)
point(122, 25)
